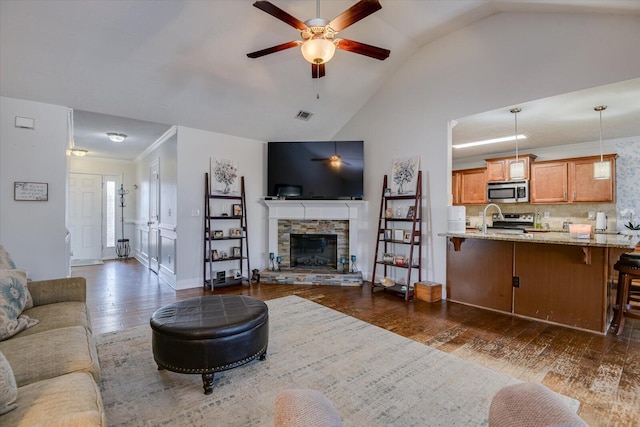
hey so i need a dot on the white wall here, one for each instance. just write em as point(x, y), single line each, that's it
point(503, 60)
point(34, 232)
point(195, 148)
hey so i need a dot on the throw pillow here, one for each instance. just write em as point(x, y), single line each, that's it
point(8, 387)
point(13, 299)
point(6, 263)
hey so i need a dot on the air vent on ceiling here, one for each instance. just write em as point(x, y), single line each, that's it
point(304, 115)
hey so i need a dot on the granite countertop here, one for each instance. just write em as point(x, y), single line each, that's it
point(553, 237)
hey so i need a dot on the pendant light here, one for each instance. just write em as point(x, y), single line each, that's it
point(516, 168)
point(601, 169)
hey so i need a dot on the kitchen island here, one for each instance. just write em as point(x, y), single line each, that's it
point(547, 276)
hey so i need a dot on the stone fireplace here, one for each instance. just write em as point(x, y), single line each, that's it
point(313, 251)
point(320, 228)
point(318, 218)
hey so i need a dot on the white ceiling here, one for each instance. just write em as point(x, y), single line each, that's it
point(184, 63)
point(559, 120)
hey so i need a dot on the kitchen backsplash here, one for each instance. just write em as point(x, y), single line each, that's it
point(553, 216)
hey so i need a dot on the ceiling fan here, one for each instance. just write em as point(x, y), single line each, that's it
point(333, 160)
point(319, 40)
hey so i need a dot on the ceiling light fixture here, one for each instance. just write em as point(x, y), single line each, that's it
point(516, 168)
point(490, 141)
point(318, 50)
point(79, 152)
point(116, 137)
point(601, 169)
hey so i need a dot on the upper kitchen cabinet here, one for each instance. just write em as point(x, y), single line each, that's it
point(549, 182)
point(498, 168)
point(571, 181)
point(470, 186)
point(584, 188)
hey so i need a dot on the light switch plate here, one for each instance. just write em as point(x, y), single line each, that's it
point(591, 215)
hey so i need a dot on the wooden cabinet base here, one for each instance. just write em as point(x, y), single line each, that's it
point(550, 282)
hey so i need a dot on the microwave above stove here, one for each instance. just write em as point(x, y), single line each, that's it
point(508, 191)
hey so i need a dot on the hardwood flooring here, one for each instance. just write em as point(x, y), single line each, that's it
point(603, 372)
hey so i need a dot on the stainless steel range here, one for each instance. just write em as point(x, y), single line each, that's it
point(512, 222)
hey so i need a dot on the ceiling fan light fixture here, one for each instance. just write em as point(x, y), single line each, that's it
point(116, 137)
point(318, 50)
point(335, 161)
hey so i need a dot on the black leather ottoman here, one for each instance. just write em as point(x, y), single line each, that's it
point(209, 334)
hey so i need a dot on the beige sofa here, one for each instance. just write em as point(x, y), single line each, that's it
point(55, 363)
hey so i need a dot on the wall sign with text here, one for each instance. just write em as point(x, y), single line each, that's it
point(31, 191)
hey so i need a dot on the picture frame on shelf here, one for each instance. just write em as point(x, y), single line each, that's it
point(407, 237)
point(398, 234)
point(237, 253)
point(218, 234)
point(236, 210)
point(224, 255)
point(214, 254)
point(237, 274)
point(387, 234)
point(410, 212)
point(221, 277)
point(235, 232)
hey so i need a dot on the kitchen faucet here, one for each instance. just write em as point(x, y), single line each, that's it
point(484, 216)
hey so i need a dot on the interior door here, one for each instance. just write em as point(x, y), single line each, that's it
point(85, 216)
point(154, 215)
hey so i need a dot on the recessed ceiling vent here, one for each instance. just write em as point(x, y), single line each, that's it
point(304, 115)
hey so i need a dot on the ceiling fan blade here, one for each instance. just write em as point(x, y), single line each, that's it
point(275, 11)
point(319, 159)
point(362, 49)
point(317, 71)
point(273, 49)
point(355, 13)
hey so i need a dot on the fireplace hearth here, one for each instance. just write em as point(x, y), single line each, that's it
point(314, 251)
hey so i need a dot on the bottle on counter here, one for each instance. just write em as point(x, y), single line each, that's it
point(538, 221)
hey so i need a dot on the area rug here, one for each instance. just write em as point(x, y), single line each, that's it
point(374, 377)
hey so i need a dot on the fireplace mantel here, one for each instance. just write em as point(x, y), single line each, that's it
point(353, 211)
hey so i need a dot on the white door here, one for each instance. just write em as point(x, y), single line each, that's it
point(154, 215)
point(85, 216)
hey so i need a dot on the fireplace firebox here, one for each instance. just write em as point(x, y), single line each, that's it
point(314, 251)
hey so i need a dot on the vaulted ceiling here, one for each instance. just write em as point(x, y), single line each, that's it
point(184, 62)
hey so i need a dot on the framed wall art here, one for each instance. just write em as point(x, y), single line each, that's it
point(31, 191)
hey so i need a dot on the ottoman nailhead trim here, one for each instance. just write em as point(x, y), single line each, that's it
point(217, 368)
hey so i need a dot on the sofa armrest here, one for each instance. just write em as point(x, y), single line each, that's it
point(58, 290)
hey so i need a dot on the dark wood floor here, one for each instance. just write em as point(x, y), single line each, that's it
point(603, 372)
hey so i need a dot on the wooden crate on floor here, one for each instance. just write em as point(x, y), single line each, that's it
point(428, 291)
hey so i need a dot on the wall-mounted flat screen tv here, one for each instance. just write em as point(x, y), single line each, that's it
point(315, 169)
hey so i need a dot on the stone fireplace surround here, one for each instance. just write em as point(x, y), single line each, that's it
point(341, 217)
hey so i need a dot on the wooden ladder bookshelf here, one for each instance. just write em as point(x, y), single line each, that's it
point(388, 239)
point(216, 259)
